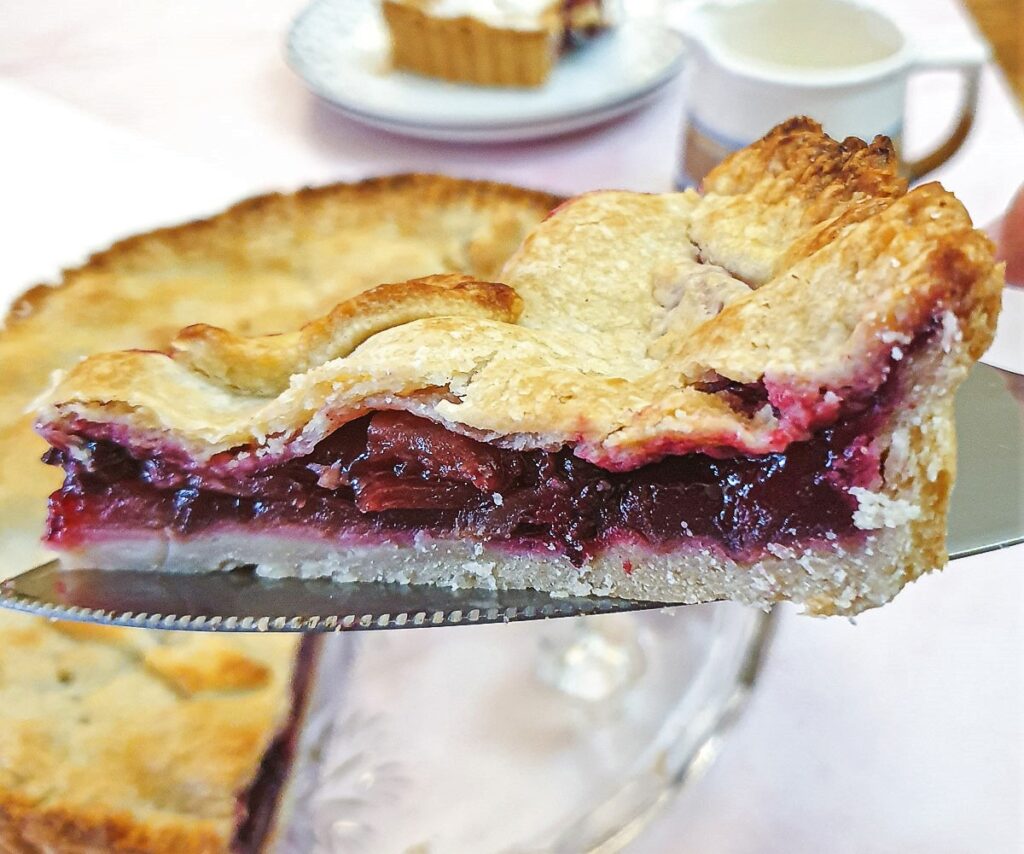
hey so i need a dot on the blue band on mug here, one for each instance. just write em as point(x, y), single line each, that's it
point(716, 137)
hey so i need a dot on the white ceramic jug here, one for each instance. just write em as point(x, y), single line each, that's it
point(755, 63)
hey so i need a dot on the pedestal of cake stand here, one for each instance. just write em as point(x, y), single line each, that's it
point(562, 735)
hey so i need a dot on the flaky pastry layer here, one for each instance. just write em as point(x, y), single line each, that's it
point(626, 322)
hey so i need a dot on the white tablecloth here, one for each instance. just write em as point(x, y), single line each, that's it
point(900, 733)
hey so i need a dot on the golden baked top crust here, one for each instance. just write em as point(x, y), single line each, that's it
point(770, 204)
point(131, 740)
point(801, 267)
point(118, 740)
point(263, 365)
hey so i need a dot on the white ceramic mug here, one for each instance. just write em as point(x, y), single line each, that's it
point(755, 63)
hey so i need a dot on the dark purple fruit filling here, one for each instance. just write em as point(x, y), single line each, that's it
point(391, 472)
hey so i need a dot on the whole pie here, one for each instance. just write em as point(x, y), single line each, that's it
point(118, 740)
point(743, 394)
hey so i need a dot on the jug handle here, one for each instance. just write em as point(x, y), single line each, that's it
point(966, 58)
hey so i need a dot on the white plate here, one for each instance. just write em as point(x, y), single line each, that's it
point(508, 133)
point(340, 49)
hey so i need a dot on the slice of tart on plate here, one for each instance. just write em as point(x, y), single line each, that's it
point(116, 740)
point(488, 42)
point(743, 394)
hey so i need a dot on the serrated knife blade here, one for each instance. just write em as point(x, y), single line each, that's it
point(241, 600)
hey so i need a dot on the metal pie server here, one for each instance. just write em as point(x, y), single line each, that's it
point(987, 514)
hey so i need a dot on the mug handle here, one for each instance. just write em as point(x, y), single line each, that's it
point(967, 59)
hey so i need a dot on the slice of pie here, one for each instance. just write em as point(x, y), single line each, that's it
point(745, 394)
point(115, 740)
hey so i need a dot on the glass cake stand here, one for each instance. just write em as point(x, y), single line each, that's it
point(568, 735)
point(555, 736)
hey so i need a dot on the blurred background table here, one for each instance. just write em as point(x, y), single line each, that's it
point(900, 732)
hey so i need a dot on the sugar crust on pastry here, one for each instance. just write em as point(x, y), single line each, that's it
point(118, 740)
point(805, 279)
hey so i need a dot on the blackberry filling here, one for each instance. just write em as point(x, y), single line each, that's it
point(391, 472)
